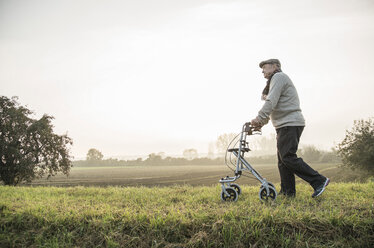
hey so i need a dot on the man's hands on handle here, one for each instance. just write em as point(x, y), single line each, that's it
point(256, 124)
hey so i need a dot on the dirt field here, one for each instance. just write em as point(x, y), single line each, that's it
point(166, 175)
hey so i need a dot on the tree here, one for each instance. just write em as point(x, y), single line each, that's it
point(28, 147)
point(224, 140)
point(162, 154)
point(330, 156)
point(311, 154)
point(263, 145)
point(357, 148)
point(94, 155)
point(190, 153)
point(153, 158)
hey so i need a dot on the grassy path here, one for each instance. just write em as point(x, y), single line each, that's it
point(184, 216)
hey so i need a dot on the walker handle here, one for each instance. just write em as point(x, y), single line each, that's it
point(248, 128)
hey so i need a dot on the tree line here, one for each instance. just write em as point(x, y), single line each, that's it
point(152, 159)
point(95, 158)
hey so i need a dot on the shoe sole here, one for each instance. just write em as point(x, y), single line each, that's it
point(324, 187)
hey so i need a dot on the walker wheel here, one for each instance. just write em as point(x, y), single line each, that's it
point(236, 187)
point(263, 195)
point(233, 195)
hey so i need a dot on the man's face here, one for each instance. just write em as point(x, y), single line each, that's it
point(268, 70)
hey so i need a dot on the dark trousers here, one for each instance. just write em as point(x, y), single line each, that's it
point(289, 164)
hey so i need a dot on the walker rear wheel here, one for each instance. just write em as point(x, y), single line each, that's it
point(263, 194)
point(233, 195)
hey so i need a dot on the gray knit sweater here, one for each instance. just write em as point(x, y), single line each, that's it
point(282, 104)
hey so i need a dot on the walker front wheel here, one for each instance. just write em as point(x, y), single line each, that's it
point(233, 195)
point(272, 185)
point(236, 187)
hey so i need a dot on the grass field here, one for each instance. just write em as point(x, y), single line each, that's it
point(184, 216)
point(132, 210)
point(195, 175)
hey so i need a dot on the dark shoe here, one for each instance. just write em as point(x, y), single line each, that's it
point(318, 191)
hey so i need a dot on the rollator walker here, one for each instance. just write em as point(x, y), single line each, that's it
point(231, 190)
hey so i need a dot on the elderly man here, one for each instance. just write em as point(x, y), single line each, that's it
point(282, 106)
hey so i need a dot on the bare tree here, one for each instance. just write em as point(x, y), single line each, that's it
point(264, 145)
point(223, 141)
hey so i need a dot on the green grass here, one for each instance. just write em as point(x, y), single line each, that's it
point(184, 216)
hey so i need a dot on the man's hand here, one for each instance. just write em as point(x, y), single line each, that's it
point(256, 123)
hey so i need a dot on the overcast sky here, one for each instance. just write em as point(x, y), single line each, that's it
point(135, 77)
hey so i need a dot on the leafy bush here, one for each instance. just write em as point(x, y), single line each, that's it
point(357, 148)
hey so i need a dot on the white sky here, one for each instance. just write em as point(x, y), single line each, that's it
point(135, 77)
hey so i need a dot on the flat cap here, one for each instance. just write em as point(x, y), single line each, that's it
point(270, 61)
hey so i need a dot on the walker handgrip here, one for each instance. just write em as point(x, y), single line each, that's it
point(248, 128)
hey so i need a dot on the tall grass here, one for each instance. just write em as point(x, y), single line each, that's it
point(184, 216)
